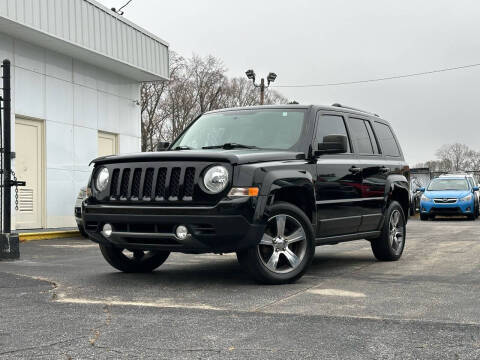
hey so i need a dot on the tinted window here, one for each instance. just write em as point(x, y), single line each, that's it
point(330, 125)
point(387, 141)
point(360, 137)
point(376, 150)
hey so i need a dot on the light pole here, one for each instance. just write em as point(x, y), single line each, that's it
point(270, 78)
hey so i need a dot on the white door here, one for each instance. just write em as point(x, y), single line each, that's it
point(107, 144)
point(28, 167)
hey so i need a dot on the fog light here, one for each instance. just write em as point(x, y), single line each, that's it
point(107, 230)
point(181, 232)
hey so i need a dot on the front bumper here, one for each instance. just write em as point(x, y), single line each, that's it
point(229, 226)
point(458, 208)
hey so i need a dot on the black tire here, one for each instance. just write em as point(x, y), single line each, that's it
point(423, 217)
point(412, 211)
point(140, 262)
point(471, 217)
point(390, 244)
point(253, 259)
point(82, 231)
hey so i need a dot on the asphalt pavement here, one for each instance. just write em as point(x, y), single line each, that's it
point(63, 301)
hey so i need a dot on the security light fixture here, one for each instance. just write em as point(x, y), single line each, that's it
point(271, 77)
point(250, 74)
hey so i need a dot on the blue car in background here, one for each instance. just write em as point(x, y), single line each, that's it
point(449, 195)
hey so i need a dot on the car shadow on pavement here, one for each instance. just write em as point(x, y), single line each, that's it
point(224, 272)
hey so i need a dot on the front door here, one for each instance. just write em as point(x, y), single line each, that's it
point(338, 184)
point(28, 168)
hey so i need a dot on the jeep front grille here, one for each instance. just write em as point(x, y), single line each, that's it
point(163, 183)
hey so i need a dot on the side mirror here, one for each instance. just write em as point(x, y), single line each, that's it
point(332, 144)
point(475, 188)
point(422, 189)
point(162, 146)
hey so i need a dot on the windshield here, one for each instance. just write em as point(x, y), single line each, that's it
point(265, 129)
point(448, 184)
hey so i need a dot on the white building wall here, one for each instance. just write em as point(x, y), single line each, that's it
point(74, 100)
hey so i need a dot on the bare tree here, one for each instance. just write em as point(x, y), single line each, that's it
point(196, 85)
point(455, 157)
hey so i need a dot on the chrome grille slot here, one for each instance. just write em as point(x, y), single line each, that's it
point(124, 184)
point(174, 187)
point(148, 183)
point(189, 183)
point(114, 183)
point(137, 175)
point(160, 187)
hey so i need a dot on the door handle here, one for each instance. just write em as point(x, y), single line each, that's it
point(355, 170)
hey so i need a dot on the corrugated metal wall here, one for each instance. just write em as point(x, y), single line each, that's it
point(89, 25)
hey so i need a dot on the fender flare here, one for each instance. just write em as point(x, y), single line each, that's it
point(280, 179)
point(397, 183)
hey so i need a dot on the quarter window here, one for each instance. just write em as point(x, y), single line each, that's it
point(360, 136)
point(387, 140)
point(330, 125)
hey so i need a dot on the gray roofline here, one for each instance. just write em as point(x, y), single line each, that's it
point(128, 22)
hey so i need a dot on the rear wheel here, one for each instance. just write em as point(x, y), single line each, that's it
point(390, 244)
point(135, 261)
point(285, 250)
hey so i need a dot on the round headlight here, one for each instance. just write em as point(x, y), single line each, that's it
point(101, 180)
point(216, 179)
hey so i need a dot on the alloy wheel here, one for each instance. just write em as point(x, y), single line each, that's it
point(397, 232)
point(283, 245)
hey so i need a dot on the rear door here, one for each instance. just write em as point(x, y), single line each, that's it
point(374, 171)
point(337, 184)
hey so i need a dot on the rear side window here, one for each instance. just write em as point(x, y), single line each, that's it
point(387, 140)
point(360, 137)
point(330, 125)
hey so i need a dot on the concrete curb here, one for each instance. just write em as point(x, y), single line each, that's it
point(48, 235)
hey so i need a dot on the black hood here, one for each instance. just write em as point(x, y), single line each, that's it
point(234, 157)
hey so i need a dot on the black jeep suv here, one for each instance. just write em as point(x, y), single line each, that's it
point(269, 183)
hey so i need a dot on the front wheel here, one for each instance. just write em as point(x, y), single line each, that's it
point(135, 261)
point(390, 244)
point(423, 217)
point(285, 250)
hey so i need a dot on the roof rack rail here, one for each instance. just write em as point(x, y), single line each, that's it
point(352, 108)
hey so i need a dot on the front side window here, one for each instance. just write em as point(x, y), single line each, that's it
point(360, 136)
point(448, 184)
point(330, 125)
point(265, 129)
point(387, 140)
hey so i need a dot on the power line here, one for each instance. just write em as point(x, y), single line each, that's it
point(119, 11)
point(128, 2)
point(382, 78)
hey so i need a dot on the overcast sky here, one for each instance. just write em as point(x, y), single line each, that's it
point(316, 41)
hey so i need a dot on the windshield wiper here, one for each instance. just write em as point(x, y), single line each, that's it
point(183, 148)
point(229, 146)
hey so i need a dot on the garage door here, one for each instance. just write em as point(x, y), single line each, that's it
point(28, 167)
point(107, 144)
